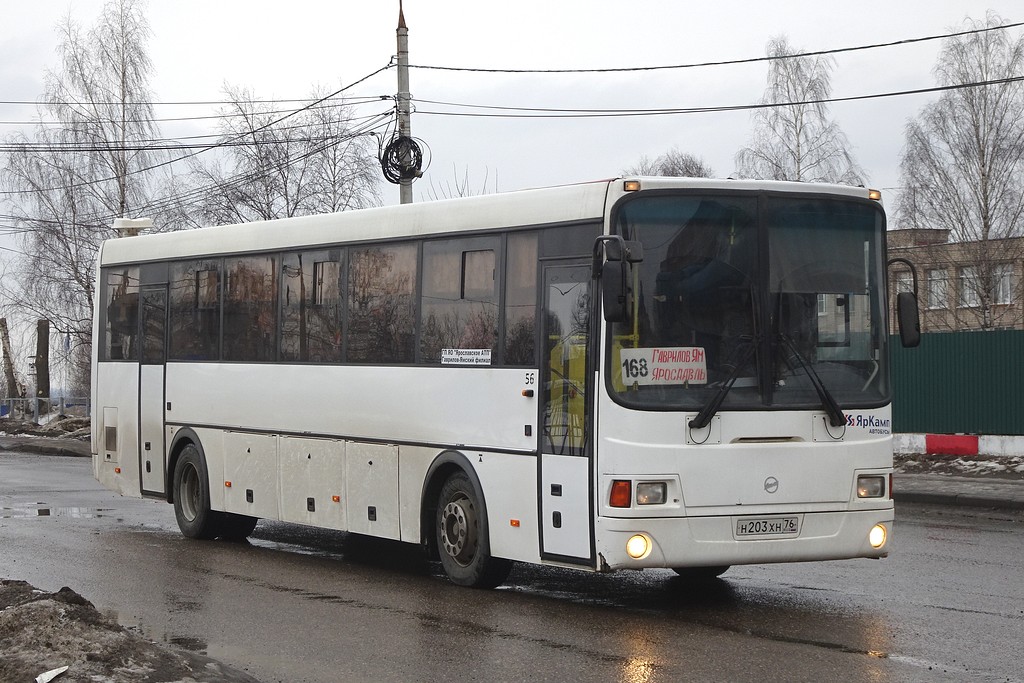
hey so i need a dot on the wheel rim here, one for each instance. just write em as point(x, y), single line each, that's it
point(458, 530)
point(189, 492)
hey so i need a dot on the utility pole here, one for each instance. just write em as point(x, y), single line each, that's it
point(404, 107)
point(5, 341)
point(43, 365)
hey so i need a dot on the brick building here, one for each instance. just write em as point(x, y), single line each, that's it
point(961, 285)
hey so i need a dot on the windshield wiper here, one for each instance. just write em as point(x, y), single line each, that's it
point(711, 407)
point(835, 414)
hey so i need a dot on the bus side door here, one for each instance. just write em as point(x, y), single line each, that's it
point(152, 458)
point(566, 449)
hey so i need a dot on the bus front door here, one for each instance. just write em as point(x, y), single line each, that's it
point(566, 452)
point(152, 457)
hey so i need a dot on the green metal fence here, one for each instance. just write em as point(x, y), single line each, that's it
point(960, 382)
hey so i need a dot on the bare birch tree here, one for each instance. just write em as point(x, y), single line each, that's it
point(675, 162)
point(460, 187)
point(962, 171)
point(85, 164)
point(275, 167)
point(794, 138)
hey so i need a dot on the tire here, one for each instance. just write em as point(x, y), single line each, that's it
point(236, 527)
point(192, 496)
point(461, 533)
point(698, 574)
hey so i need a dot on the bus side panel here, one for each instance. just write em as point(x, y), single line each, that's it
point(116, 410)
point(413, 463)
point(313, 482)
point(445, 406)
point(371, 483)
point(250, 475)
point(509, 485)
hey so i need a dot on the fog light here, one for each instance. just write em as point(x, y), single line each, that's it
point(876, 537)
point(650, 493)
point(870, 486)
point(638, 547)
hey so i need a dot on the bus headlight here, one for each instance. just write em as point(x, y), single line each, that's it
point(638, 546)
point(876, 537)
point(651, 493)
point(870, 486)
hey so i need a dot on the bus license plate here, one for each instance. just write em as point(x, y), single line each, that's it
point(767, 526)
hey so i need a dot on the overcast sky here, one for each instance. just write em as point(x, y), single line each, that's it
point(283, 49)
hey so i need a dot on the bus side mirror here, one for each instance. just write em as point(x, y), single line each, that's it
point(614, 291)
point(614, 274)
point(909, 319)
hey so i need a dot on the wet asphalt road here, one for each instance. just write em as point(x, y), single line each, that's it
point(298, 604)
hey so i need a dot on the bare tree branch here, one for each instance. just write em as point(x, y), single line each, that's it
point(799, 141)
point(962, 171)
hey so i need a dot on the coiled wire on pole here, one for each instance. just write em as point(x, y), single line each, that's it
point(401, 159)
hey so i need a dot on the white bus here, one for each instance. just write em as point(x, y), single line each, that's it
point(653, 372)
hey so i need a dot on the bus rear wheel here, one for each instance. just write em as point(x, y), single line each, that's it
point(192, 496)
point(461, 534)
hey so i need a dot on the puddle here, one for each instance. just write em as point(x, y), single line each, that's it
point(44, 511)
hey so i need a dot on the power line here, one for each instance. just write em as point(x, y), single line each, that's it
point(196, 152)
point(355, 102)
point(729, 62)
point(528, 112)
point(160, 144)
point(102, 221)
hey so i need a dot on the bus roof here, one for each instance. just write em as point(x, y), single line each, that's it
point(563, 204)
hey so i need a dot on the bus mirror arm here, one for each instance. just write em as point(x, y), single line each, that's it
point(614, 273)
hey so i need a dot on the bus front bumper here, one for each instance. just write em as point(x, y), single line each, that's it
point(672, 542)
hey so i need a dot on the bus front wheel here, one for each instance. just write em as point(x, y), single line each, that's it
point(462, 542)
point(192, 496)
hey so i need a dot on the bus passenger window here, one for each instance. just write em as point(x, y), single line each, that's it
point(521, 300)
point(381, 307)
point(122, 298)
point(311, 286)
point(194, 320)
point(250, 308)
point(459, 311)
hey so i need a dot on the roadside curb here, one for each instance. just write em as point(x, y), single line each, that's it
point(957, 499)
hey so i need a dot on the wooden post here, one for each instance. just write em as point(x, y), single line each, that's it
point(12, 382)
point(43, 365)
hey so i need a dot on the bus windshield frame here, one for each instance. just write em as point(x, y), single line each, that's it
point(768, 300)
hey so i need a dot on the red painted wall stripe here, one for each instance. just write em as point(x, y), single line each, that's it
point(951, 444)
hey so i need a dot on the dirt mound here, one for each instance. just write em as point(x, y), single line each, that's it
point(42, 631)
point(62, 427)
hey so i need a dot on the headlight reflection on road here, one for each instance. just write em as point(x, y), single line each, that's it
point(637, 670)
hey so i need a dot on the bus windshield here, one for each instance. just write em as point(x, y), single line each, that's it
point(768, 294)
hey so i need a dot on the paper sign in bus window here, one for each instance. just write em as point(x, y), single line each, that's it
point(674, 365)
point(465, 356)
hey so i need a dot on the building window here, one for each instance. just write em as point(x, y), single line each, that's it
point(970, 292)
point(938, 289)
point(904, 282)
point(1002, 284)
